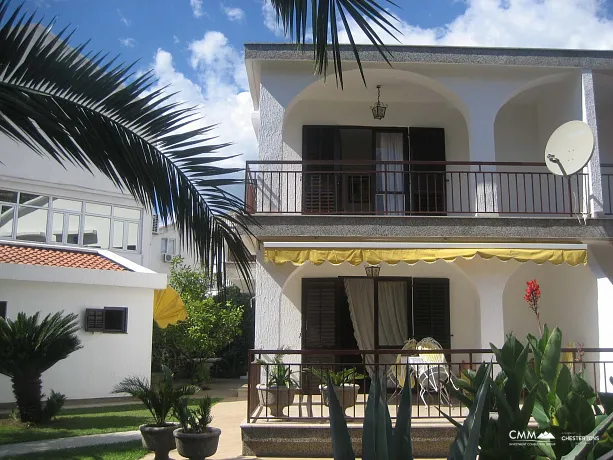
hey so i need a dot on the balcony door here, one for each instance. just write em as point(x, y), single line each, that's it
point(359, 170)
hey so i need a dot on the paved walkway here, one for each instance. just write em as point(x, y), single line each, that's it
point(67, 443)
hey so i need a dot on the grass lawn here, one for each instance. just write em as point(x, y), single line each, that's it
point(123, 451)
point(78, 422)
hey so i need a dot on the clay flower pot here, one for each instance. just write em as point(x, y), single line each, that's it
point(347, 394)
point(276, 398)
point(197, 446)
point(159, 439)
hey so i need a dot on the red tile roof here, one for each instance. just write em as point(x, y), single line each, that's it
point(52, 257)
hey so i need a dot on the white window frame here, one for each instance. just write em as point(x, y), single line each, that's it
point(82, 214)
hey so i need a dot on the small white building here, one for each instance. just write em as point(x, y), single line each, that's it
point(112, 297)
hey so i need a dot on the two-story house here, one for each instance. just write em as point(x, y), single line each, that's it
point(445, 199)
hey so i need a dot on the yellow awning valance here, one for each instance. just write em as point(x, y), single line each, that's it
point(356, 256)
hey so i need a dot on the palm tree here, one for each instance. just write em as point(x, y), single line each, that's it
point(78, 107)
point(85, 109)
point(323, 18)
point(28, 348)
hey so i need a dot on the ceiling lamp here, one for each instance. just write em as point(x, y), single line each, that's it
point(372, 271)
point(378, 110)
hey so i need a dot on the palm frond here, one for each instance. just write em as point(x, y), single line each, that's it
point(28, 347)
point(368, 15)
point(88, 110)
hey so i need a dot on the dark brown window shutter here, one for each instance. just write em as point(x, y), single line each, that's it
point(428, 182)
point(320, 143)
point(319, 310)
point(431, 309)
point(94, 320)
point(3, 305)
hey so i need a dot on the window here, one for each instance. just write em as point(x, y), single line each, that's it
point(3, 309)
point(41, 218)
point(107, 319)
point(169, 246)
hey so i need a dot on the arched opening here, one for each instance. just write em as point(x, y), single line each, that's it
point(569, 300)
point(522, 128)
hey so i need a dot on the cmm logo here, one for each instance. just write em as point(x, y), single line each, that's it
point(530, 437)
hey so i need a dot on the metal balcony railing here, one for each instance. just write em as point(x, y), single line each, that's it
point(406, 188)
point(304, 400)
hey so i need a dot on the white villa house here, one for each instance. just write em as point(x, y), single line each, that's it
point(447, 195)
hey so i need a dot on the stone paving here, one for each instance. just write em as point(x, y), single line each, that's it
point(67, 443)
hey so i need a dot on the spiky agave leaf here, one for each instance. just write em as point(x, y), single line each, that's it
point(85, 109)
point(325, 16)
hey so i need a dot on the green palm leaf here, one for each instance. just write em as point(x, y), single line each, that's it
point(85, 109)
point(325, 15)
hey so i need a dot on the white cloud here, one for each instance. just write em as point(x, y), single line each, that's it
point(197, 7)
point(125, 21)
point(220, 93)
point(127, 42)
point(515, 23)
point(270, 18)
point(234, 14)
point(176, 40)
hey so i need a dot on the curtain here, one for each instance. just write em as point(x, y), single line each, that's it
point(392, 315)
point(393, 323)
point(390, 177)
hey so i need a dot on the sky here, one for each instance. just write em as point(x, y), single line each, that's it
point(196, 46)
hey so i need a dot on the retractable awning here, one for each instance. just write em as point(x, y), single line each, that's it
point(373, 253)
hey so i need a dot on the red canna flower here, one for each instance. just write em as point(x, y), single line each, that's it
point(533, 294)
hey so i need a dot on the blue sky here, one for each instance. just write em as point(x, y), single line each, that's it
point(196, 45)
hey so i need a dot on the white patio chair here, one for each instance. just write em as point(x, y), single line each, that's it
point(434, 374)
point(398, 371)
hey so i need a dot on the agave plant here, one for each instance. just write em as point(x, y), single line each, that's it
point(381, 441)
point(159, 401)
point(28, 348)
point(79, 107)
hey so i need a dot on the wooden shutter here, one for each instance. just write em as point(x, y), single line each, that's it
point(428, 182)
point(3, 309)
point(94, 320)
point(319, 325)
point(320, 182)
point(431, 309)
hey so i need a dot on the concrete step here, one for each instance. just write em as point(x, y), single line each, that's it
point(278, 439)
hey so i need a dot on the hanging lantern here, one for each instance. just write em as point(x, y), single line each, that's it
point(372, 271)
point(378, 110)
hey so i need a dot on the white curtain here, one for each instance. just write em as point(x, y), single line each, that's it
point(393, 324)
point(390, 179)
point(392, 315)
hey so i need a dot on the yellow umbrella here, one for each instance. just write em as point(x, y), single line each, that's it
point(168, 308)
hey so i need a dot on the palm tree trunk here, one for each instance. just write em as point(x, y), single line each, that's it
point(28, 394)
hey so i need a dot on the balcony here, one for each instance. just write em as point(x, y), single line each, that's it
point(413, 188)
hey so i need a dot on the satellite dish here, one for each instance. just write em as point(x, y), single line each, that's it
point(569, 148)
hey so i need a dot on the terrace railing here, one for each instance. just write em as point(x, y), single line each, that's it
point(305, 401)
point(400, 188)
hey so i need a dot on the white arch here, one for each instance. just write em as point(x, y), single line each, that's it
point(373, 75)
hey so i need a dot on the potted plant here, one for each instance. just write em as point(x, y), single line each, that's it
point(195, 439)
point(343, 383)
point(157, 436)
point(280, 389)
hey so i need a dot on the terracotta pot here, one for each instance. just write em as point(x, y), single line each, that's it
point(276, 398)
point(159, 439)
point(347, 394)
point(197, 446)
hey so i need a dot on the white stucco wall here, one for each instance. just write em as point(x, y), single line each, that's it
point(157, 263)
point(569, 301)
point(105, 359)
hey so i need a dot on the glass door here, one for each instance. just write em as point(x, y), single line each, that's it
point(390, 177)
